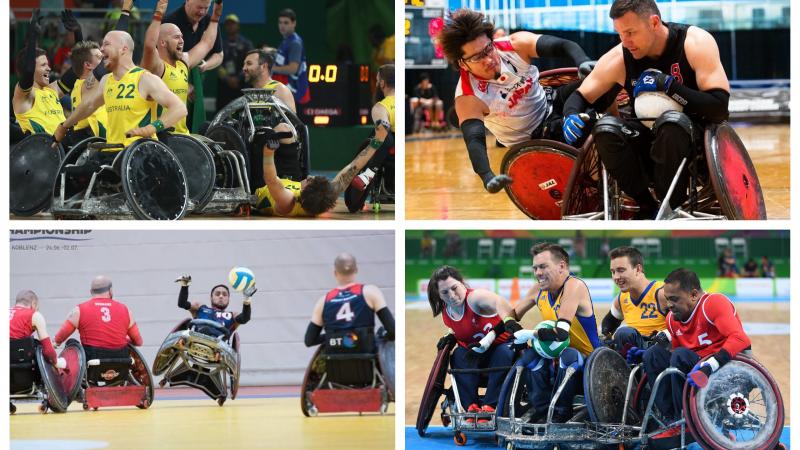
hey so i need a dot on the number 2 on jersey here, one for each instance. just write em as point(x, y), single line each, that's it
point(345, 313)
point(649, 308)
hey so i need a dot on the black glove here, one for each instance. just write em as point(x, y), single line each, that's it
point(69, 21)
point(662, 339)
point(585, 69)
point(445, 341)
point(35, 25)
point(471, 354)
point(497, 183)
point(512, 326)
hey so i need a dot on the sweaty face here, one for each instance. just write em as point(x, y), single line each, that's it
point(480, 58)
point(252, 70)
point(548, 271)
point(680, 302)
point(451, 291)
point(623, 274)
point(220, 298)
point(42, 73)
point(636, 33)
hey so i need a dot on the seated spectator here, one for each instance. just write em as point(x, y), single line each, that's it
point(767, 269)
point(426, 104)
point(750, 268)
point(727, 267)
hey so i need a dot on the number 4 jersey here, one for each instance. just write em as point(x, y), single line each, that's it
point(713, 325)
point(346, 308)
point(104, 323)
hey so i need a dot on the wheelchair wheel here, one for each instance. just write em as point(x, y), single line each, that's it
point(740, 408)
point(540, 169)
point(433, 389)
point(235, 376)
point(34, 165)
point(197, 161)
point(231, 140)
point(142, 376)
point(76, 362)
point(386, 361)
point(605, 381)
point(74, 183)
point(154, 181)
point(520, 400)
point(733, 175)
point(165, 354)
point(57, 398)
point(584, 187)
point(311, 379)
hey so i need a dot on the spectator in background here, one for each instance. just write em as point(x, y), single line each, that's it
point(750, 268)
point(452, 244)
point(234, 48)
point(290, 62)
point(726, 264)
point(767, 269)
point(427, 246)
point(426, 104)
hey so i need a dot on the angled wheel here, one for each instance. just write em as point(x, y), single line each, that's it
point(733, 175)
point(386, 362)
point(73, 375)
point(154, 181)
point(231, 140)
point(33, 166)
point(605, 381)
point(740, 408)
point(433, 389)
point(314, 371)
point(57, 398)
point(584, 191)
point(141, 373)
point(197, 161)
point(540, 169)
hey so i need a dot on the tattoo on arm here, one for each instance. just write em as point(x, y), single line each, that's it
point(346, 175)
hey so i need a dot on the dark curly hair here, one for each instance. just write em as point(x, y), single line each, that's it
point(318, 195)
point(462, 26)
point(441, 274)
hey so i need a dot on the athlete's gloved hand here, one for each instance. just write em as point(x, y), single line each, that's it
point(512, 326)
point(184, 280)
point(586, 68)
point(497, 183)
point(445, 341)
point(35, 25)
point(249, 291)
point(652, 80)
point(61, 363)
point(69, 21)
point(573, 128)
point(663, 338)
point(698, 376)
point(634, 355)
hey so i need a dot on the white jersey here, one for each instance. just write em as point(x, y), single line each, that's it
point(516, 101)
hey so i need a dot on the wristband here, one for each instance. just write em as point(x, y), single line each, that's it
point(129, 12)
point(375, 143)
point(157, 16)
point(158, 125)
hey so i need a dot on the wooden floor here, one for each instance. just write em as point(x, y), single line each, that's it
point(440, 183)
point(199, 424)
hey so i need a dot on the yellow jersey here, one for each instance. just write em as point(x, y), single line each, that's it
point(388, 103)
point(45, 113)
point(126, 108)
point(177, 80)
point(583, 334)
point(265, 200)
point(271, 84)
point(97, 121)
point(643, 313)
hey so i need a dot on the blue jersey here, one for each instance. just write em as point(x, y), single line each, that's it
point(347, 309)
point(224, 318)
point(287, 53)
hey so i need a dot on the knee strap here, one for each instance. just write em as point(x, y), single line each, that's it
point(677, 118)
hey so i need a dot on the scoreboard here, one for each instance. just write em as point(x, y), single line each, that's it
point(340, 95)
point(422, 23)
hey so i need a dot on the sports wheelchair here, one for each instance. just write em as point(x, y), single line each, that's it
point(117, 380)
point(258, 108)
point(452, 410)
point(741, 408)
point(34, 378)
point(33, 166)
point(553, 180)
point(353, 371)
point(201, 353)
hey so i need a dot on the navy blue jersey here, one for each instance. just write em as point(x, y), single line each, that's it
point(224, 318)
point(346, 309)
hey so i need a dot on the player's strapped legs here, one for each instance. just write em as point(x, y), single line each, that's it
point(569, 357)
point(669, 396)
point(674, 140)
point(624, 149)
point(539, 375)
point(467, 382)
point(501, 356)
point(627, 337)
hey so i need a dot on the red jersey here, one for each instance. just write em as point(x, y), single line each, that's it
point(21, 319)
point(472, 327)
point(104, 323)
point(713, 325)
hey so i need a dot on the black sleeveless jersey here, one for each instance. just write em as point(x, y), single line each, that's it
point(347, 309)
point(672, 62)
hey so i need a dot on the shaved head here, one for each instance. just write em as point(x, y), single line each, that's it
point(167, 29)
point(121, 39)
point(345, 264)
point(26, 297)
point(100, 285)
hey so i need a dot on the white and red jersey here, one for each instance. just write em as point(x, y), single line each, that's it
point(472, 327)
point(21, 321)
point(713, 325)
point(516, 101)
point(104, 323)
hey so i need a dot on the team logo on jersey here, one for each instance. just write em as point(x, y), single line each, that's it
point(483, 86)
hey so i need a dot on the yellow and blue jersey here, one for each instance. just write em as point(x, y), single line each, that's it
point(643, 313)
point(583, 334)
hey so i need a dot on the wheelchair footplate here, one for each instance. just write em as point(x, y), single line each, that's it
point(348, 400)
point(96, 397)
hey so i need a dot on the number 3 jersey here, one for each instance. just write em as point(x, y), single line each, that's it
point(643, 313)
point(104, 323)
point(346, 308)
point(713, 325)
point(472, 326)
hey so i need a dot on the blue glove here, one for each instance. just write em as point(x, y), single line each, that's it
point(652, 81)
point(634, 355)
point(573, 128)
point(698, 376)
